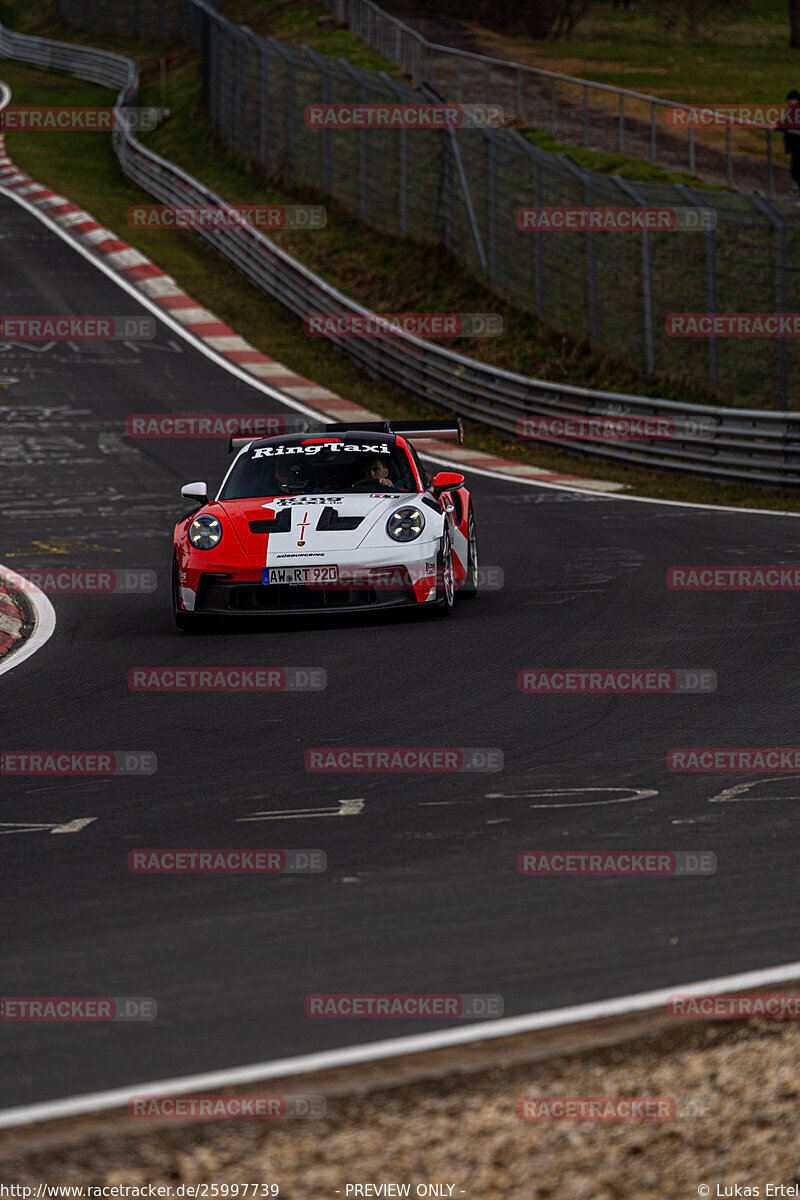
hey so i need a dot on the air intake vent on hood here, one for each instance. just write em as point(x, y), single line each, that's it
point(329, 519)
point(280, 524)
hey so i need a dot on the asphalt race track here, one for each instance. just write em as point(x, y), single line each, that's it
point(422, 893)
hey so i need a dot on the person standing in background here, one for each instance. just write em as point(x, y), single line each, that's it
point(790, 125)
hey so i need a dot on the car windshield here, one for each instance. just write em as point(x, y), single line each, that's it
point(319, 466)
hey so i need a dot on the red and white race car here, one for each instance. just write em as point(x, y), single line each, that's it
point(345, 517)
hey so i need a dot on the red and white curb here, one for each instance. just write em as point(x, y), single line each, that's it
point(162, 290)
point(14, 647)
point(12, 620)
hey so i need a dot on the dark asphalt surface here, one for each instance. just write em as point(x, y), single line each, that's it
point(421, 892)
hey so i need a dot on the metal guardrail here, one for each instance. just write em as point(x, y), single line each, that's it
point(559, 103)
point(464, 188)
point(741, 444)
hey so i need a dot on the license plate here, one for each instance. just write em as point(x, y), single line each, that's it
point(300, 576)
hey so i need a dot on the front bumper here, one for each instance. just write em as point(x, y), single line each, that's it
point(225, 588)
point(217, 597)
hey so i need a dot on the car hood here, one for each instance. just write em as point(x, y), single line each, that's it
point(299, 527)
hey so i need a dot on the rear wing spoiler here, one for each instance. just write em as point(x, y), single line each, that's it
point(407, 429)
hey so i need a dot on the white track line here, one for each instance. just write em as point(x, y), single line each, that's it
point(163, 314)
point(374, 1051)
point(93, 1102)
point(44, 616)
point(315, 414)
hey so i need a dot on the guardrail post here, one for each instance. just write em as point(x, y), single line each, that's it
point(647, 277)
point(552, 108)
point(710, 235)
point(467, 195)
point(205, 61)
point(653, 127)
point(770, 180)
point(263, 105)
point(291, 122)
point(363, 141)
point(585, 116)
point(519, 93)
point(492, 211)
point(282, 51)
point(323, 65)
point(488, 73)
point(691, 150)
point(238, 140)
point(591, 245)
point(459, 92)
point(444, 167)
point(728, 153)
point(403, 132)
point(591, 266)
point(538, 187)
point(779, 225)
point(622, 122)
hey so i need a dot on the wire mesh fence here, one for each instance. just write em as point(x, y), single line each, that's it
point(580, 111)
point(464, 186)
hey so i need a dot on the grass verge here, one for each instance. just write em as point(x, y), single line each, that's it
point(386, 273)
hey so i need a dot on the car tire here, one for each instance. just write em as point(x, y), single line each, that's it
point(444, 572)
point(469, 588)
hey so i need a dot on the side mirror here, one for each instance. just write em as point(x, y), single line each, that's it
point(195, 491)
point(446, 481)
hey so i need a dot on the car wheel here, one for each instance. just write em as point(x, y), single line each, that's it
point(446, 575)
point(469, 588)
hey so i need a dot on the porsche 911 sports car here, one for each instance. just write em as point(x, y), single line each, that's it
point(345, 517)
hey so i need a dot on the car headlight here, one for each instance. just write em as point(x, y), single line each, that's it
point(205, 532)
point(405, 524)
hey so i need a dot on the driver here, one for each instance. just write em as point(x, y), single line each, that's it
point(377, 471)
point(287, 478)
